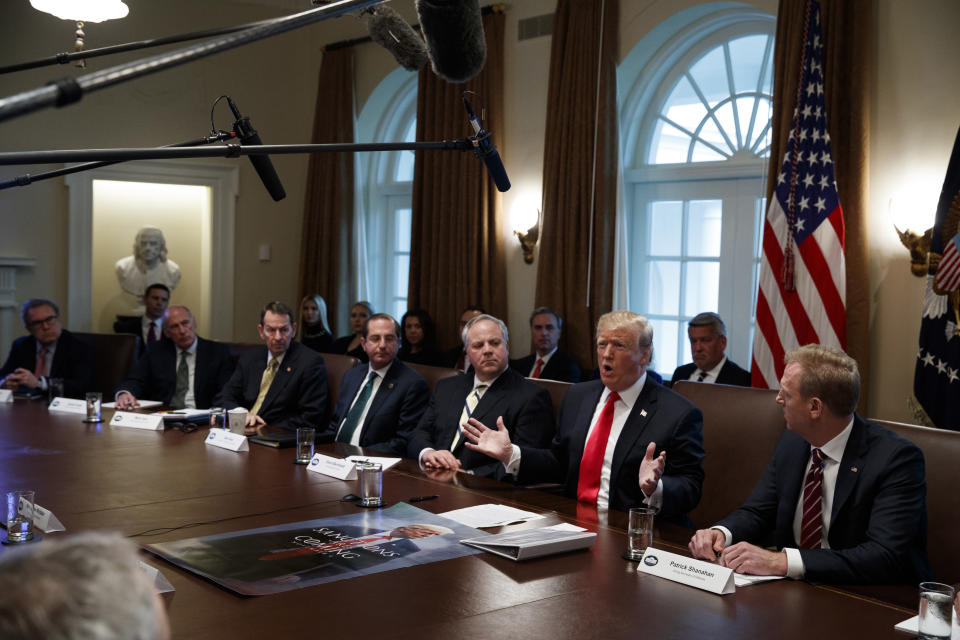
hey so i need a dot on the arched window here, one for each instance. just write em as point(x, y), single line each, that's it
point(696, 121)
point(384, 190)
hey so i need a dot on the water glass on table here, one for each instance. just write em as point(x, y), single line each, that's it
point(371, 484)
point(305, 441)
point(18, 516)
point(639, 531)
point(936, 610)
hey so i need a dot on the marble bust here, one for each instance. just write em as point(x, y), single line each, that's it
point(148, 264)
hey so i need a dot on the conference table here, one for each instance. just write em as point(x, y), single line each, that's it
point(156, 486)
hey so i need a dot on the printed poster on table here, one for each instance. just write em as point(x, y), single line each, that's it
point(289, 556)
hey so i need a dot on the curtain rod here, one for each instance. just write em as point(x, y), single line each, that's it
point(343, 44)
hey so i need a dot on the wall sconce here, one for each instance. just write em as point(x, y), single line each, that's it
point(82, 11)
point(528, 233)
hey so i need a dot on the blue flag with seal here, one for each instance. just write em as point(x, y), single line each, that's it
point(936, 380)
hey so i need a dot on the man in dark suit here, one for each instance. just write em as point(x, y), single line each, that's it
point(708, 341)
point(50, 351)
point(184, 371)
point(149, 326)
point(609, 431)
point(283, 385)
point(547, 361)
point(380, 402)
point(843, 499)
point(492, 392)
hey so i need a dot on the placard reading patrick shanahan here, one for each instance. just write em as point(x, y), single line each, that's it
point(695, 573)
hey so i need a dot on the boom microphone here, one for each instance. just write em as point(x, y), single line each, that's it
point(453, 30)
point(389, 30)
point(486, 151)
point(249, 136)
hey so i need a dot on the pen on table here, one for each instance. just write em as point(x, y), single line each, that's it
point(422, 498)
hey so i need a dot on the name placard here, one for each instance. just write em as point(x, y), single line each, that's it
point(333, 467)
point(43, 519)
point(68, 405)
point(695, 573)
point(226, 440)
point(6, 395)
point(148, 421)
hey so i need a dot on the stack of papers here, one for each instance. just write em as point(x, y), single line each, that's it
point(489, 515)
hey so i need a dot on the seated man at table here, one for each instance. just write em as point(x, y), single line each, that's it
point(185, 371)
point(843, 499)
point(609, 432)
point(149, 326)
point(491, 392)
point(547, 361)
point(708, 341)
point(284, 384)
point(50, 351)
point(380, 402)
point(87, 585)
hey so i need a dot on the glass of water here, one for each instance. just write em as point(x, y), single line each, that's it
point(639, 531)
point(305, 441)
point(936, 610)
point(371, 483)
point(19, 515)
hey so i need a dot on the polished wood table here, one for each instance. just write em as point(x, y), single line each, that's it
point(160, 486)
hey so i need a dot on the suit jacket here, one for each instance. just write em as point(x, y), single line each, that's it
point(525, 406)
point(730, 373)
point(878, 522)
point(154, 374)
point(340, 346)
point(660, 416)
point(72, 361)
point(559, 367)
point(394, 411)
point(297, 396)
point(132, 324)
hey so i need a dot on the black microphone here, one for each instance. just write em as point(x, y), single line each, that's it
point(249, 136)
point(389, 30)
point(453, 30)
point(485, 150)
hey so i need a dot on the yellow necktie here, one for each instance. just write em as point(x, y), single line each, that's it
point(265, 383)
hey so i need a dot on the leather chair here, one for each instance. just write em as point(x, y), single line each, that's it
point(557, 390)
point(113, 355)
point(741, 426)
point(337, 364)
point(432, 374)
point(941, 452)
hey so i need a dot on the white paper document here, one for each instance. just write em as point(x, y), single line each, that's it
point(386, 462)
point(532, 543)
point(142, 404)
point(489, 515)
point(742, 580)
point(565, 526)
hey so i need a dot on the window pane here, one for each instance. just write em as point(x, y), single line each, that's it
point(710, 75)
point(401, 275)
point(399, 308)
point(664, 346)
point(666, 225)
point(403, 219)
point(711, 133)
point(761, 128)
point(703, 153)
point(663, 288)
point(684, 106)
point(703, 235)
point(669, 144)
point(701, 287)
point(404, 166)
point(746, 57)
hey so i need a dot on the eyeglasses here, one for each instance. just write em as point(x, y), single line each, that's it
point(41, 323)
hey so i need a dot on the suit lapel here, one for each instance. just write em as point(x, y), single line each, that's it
point(383, 392)
point(851, 465)
point(578, 439)
point(285, 372)
point(199, 371)
point(791, 476)
point(490, 400)
point(643, 411)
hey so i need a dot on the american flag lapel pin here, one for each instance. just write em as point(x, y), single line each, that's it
point(643, 413)
point(854, 469)
point(289, 369)
point(390, 386)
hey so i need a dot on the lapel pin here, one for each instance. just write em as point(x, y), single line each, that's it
point(390, 386)
point(289, 369)
point(643, 413)
point(854, 469)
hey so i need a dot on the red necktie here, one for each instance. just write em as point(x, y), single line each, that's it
point(538, 368)
point(588, 486)
point(41, 368)
point(811, 528)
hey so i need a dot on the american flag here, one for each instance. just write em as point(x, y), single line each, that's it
point(803, 274)
point(948, 273)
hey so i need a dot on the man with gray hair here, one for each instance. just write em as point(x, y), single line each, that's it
point(708, 341)
point(547, 361)
point(87, 586)
point(622, 441)
point(492, 392)
point(843, 499)
point(50, 351)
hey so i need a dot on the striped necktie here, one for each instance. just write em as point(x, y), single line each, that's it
point(265, 383)
point(811, 527)
point(468, 406)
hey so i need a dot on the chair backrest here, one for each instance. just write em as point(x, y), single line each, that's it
point(432, 374)
point(336, 364)
point(237, 349)
point(741, 426)
point(557, 390)
point(941, 452)
point(113, 355)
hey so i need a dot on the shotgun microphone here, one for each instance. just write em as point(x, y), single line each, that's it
point(249, 136)
point(485, 150)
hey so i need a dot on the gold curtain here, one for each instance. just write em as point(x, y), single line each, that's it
point(848, 43)
point(326, 233)
point(575, 275)
point(456, 248)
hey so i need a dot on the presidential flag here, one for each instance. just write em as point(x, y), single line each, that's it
point(936, 378)
point(803, 274)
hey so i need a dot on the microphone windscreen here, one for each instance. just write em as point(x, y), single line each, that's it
point(389, 30)
point(453, 30)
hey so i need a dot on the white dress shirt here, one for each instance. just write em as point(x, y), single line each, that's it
point(712, 375)
point(381, 373)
